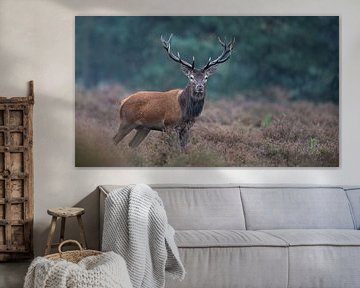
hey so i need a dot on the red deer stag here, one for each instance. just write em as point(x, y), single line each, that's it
point(178, 108)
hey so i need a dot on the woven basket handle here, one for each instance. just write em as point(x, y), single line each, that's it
point(69, 241)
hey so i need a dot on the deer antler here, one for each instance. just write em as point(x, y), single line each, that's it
point(167, 46)
point(225, 55)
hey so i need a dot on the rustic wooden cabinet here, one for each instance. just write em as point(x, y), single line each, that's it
point(16, 177)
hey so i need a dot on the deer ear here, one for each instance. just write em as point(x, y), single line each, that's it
point(186, 70)
point(211, 70)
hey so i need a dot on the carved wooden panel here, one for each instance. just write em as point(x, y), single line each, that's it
point(16, 177)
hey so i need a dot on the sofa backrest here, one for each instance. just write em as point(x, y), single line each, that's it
point(234, 207)
point(296, 208)
point(202, 207)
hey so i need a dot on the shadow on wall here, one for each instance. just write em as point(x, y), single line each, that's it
point(91, 222)
point(135, 7)
point(51, 192)
point(57, 182)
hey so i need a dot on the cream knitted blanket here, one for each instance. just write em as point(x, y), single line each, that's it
point(136, 227)
point(103, 271)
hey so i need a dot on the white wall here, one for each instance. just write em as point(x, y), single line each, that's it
point(37, 42)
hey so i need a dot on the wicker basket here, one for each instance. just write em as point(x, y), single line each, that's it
point(72, 256)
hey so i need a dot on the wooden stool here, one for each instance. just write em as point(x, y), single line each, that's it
point(64, 213)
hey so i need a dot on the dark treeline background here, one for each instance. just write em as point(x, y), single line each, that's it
point(297, 54)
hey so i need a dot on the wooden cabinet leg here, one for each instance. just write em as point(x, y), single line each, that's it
point(62, 230)
point(51, 235)
point(82, 232)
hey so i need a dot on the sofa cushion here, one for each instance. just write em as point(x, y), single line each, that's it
point(322, 258)
point(354, 198)
point(315, 237)
point(226, 238)
point(191, 207)
point(218, 267)
point(296, 208)
point(324, 266)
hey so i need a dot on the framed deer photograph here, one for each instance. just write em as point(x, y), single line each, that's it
point(207, 91)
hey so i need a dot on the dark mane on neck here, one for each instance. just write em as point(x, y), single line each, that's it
point(190, 108)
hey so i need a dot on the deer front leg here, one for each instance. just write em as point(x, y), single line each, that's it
point(139, 137)
point(184, 132)
point(124, 129)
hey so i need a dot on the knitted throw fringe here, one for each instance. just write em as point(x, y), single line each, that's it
point(136, 227)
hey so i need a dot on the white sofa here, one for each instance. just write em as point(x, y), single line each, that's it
point(263, 236)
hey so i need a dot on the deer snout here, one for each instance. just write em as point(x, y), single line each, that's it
point(199, 88)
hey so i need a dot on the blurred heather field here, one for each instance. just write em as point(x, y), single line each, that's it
point(273, 104)
point(229, 132)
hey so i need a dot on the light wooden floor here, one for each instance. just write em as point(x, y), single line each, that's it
point(12, 274)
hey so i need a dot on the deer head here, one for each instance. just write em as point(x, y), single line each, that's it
point(198, 77)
